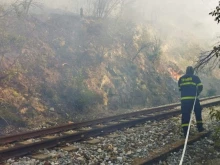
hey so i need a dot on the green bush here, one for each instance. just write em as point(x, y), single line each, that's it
point(215, 115)
point(211, 92)
point(79, 99)
point(10, 115)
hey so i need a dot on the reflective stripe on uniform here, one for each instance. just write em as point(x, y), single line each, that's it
point(200, 84)
point(185, 125)
point(188, 83)
point(188, 98)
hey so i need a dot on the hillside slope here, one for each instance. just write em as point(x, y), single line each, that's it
point(55, 68)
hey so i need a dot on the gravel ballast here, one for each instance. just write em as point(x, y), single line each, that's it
point(123, 147)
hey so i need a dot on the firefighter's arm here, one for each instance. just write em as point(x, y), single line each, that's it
point(199, 86)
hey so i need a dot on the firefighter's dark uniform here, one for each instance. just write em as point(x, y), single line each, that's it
point(190, 87)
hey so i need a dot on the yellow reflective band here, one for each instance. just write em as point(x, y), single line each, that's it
point(199, 122)
point(186, 79)
point(185, 125)
point(200, 84)
point(188, 83)
point(188, 98)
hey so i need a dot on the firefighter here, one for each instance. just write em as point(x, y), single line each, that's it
point(190, 87)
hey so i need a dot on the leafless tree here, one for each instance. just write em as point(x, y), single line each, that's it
point(101, 8)
point(208, 57)
point(20, 7)
point(213, 55)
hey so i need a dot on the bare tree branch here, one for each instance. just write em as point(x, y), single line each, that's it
point(142, 47)
point(21, 7)
point(207, 56)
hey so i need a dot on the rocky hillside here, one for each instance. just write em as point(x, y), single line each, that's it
point(55, 68)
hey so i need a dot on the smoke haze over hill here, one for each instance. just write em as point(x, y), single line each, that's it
point(188, 15)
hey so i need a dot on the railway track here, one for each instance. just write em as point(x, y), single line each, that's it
point(23, 144)
point(161, 153)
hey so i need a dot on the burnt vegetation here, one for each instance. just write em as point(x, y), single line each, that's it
point(95, 61)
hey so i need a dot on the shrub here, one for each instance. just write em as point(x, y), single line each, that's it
point(80, 98)
point(211, 92)
point(10, 115)
point(215, 115)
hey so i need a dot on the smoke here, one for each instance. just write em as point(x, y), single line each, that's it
point(186, 15)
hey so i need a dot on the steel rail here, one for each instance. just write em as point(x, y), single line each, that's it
point(66, 127)
point(162, 153)
point(28, 148)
